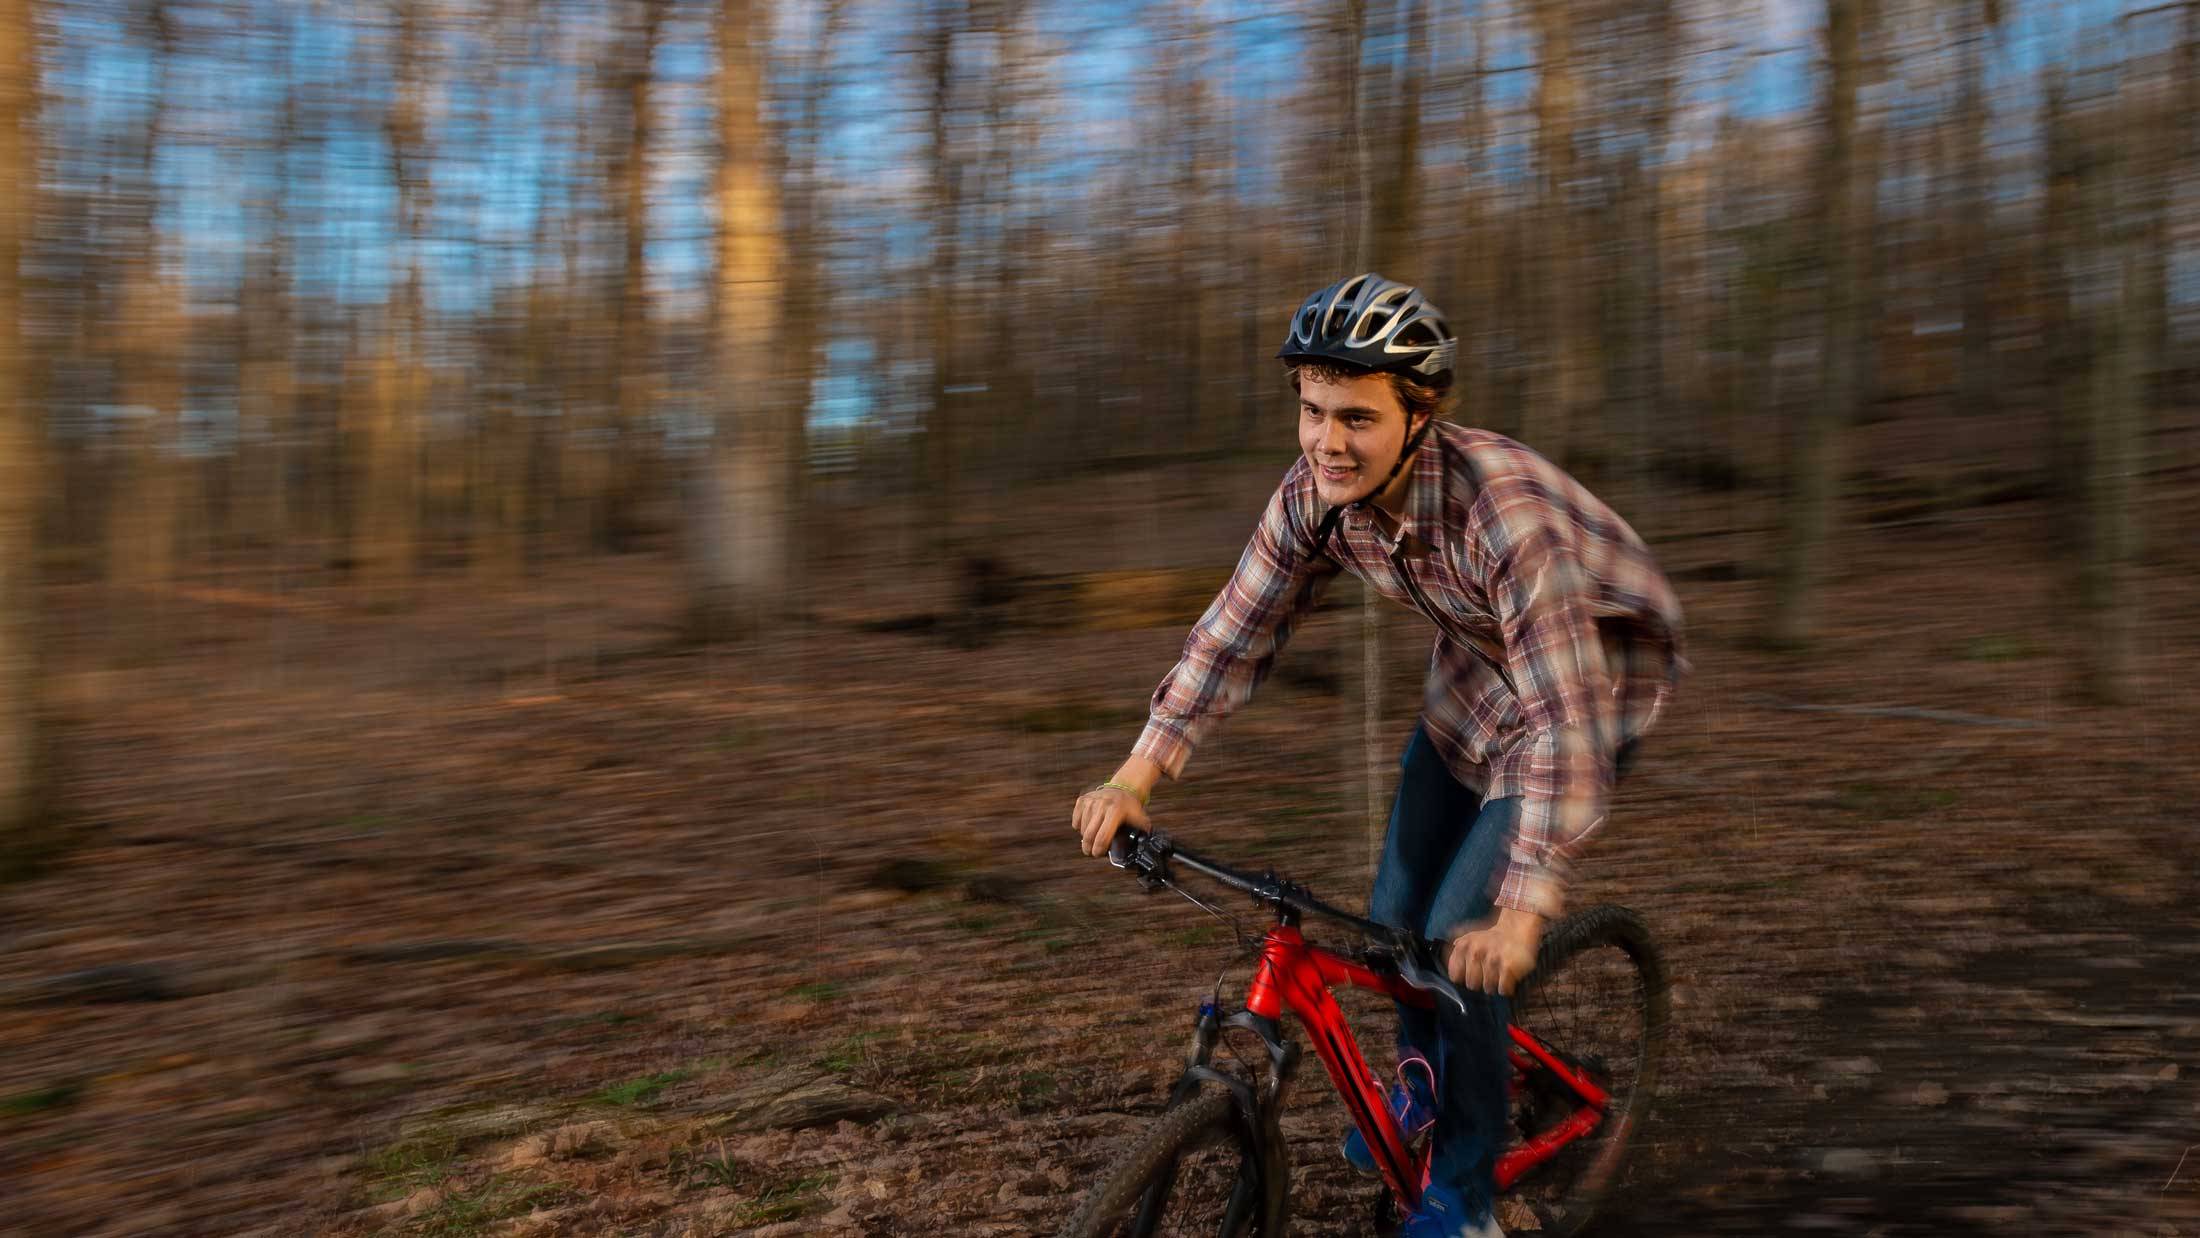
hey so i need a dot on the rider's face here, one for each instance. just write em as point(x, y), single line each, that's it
point(1351, 431)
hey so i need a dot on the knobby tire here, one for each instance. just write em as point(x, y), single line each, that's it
point(1622, 1030)
point(1133, 1196)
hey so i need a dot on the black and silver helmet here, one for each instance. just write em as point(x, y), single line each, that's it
point(1375, 324)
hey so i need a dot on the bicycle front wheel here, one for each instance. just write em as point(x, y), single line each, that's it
point(1201, 1169)
point(1597, 1001)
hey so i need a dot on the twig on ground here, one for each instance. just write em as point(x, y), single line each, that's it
point(1893, 711)
point(2180, 1165)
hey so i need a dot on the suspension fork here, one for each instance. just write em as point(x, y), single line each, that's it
point(1262, 1100)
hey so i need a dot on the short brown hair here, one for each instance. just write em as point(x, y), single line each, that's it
point(1414, 396)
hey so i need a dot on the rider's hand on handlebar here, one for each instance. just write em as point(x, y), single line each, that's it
point(1495, 955)
point(1100, 812)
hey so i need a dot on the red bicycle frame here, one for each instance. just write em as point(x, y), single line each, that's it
point(1294, 975)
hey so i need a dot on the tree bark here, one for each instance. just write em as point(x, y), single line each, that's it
point(144, 505)
point(943, 429)
point(2111, 290)
point(1814, 470)
point(1978, 385)
point(1396, 192)
point(742, 550)
point(1566, 377)
point(633, 446)
point(2063, 361)
point(386, 528)
point(22, 479)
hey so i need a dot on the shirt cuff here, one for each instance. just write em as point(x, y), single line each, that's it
point(1165, 746)
point(1533, 888)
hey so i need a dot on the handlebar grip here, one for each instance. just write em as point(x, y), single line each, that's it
point(1125, 842)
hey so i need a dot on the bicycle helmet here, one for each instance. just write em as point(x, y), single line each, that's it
point(1375, 324)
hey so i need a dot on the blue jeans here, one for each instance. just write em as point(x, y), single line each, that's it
point(1442, 859)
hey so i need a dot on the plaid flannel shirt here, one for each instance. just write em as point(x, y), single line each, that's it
point(1558, 639)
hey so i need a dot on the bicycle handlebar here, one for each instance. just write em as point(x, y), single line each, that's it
point(1149, 854)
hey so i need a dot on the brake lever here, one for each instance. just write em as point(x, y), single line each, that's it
point(1148, 857)
point(1416, 968)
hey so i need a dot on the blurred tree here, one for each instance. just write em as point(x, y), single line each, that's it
point(1565, 391)
point(634, 448)
point(2151, 114)
point(267, 347)
point(392, 384)
point(2112, 293)
point(147, 352)
point(809, 288)
point(1980, 379)
point(22, 434)
point(500, 487)
point(1815, 461)
point(1659, 296)
point(2064, 360)
point(2184, 179)
point(740, 553)
point(950, 392)
point(1394, 179)
point(1350, 175)
point(1473, 273)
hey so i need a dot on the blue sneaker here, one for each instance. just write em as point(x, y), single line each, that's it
point(1444, 1214)
point(1412, 1107)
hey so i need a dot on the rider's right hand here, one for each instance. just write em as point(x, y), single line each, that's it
point(1100, 812)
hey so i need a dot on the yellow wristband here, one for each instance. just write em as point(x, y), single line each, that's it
point(1123, 787)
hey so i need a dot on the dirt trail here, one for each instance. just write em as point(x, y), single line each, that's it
point(509, 915)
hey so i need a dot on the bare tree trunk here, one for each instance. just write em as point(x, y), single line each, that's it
point(145, 511)
point(2111, 289)
point(267, 386)
point(386, 529)
point(1395, 192)
point(2152, 160)
point(633, 447)
point(742, 552)
point(2186, 173)
point(381, 402)
point(1566, 374)
point(2063, 362)
point(808, 294)
point(1815, 469)
point(943, 430)
point(498, 473)
point(1658, 301)
point(2114, 423)
point(1874, 262)
point(1475, 280)
point(145, 505)
point(1978, 386)
point(1354, 203)
point(22, 479)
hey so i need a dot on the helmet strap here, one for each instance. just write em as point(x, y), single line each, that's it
point(1335, 514)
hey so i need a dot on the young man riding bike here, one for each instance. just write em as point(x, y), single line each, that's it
point(1558, 643)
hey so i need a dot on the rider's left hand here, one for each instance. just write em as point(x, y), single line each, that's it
point(1495, 955)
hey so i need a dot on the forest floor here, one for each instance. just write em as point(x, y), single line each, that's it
point(506, 912)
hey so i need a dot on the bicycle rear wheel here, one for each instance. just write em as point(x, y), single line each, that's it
point(1202, 1169)
point(1597, 999)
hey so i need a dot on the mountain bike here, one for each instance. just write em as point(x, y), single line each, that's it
point(1586, 1034)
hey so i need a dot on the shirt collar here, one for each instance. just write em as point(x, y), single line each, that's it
point(1423, 517)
